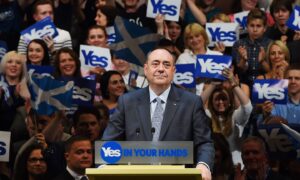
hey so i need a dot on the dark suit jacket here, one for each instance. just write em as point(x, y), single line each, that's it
point(184, 120)
point(64, 175)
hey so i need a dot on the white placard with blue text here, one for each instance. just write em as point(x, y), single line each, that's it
point(226, 33)
point(184, 75)
point(169, 8)
point(294, 20)
point(211, 66)
point(270, 89)
point(241, 19)
point(92, 56)
point(4, 146)
point(40, 29)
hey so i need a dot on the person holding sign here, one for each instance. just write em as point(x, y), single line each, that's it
point(291, 110)
point(182, 117)
point(226, 119)
point(41, 10)
point(196, 41)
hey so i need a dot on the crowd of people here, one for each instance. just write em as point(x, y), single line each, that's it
point(218, 116)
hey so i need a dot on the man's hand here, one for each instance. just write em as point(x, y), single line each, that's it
point(267, 107)
point(239, 173)
point(205, 172)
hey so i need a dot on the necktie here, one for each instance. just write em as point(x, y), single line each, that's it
point(157, 118)
point(84, 178)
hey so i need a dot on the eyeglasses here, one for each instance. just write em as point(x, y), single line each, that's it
point(35, 160)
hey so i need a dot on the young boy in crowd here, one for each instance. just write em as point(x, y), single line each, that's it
point(249, 53)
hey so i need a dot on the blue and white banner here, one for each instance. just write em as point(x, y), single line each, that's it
point(40, 29)
point(90, 77)
point(110, 31)
point(42, 70)
point(226, 33)
point(83, 92)
point(241, 19)
point(3, 49)
point(294, 20)
point(211, 66)
point(281, 144)
point(169, 8)
point(92, 56)
point(133, 42)
point(4, 145)
point(185, 75)
point(270, 89)
point(4, 87)
point(49, 95)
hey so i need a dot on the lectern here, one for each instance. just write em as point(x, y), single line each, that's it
point(143, 172)
point(138, 155)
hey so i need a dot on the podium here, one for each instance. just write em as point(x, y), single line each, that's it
point(143, 172)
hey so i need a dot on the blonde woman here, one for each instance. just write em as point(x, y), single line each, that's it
point(13, 87)
point(196, 42)
point(278, 56)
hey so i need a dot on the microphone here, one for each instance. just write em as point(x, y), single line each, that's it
point(137, 131)
point(152, 130)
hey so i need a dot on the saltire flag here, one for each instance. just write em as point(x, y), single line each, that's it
point(44, 70)
point(133, 42)
point(294, 137)
point(49, 95)
point(294, 20)
point(3, 49)
point(4, 87)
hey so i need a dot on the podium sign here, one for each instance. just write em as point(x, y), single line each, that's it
point(144, 152)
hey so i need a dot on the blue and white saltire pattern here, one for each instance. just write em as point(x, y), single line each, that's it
point(49, 95)
point(4, 87)
point(295, 137)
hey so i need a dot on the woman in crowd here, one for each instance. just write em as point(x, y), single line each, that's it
point(105, 17)
point(196, 41)
point(66, 64)
point(13, 87)
point(96, 36)
point(175, 29)
point(32, 164)
point(112, 86)
point(278, 56)
point(223, 164)
point(37, 53)
point(226, 119)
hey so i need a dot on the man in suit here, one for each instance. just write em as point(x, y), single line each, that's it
point(183, 118)
point(78, 154)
